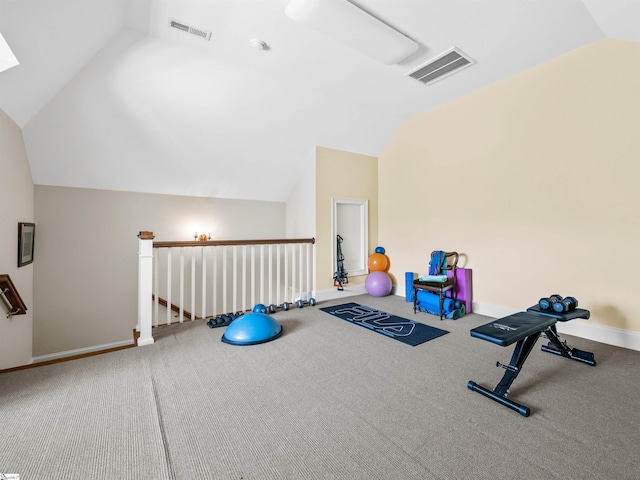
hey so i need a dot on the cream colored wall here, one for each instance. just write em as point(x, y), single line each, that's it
point(343, 175)
point(301, 204)
point(16, 205)
point(86, 266)
point(534, 179)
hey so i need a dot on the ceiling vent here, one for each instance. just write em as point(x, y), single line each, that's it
point(189, 29)
point(448, 63)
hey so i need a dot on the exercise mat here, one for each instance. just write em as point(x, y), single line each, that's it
point(401, 329)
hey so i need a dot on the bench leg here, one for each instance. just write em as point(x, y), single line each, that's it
point(499, 394)
point(557, 347)
point(521, 409)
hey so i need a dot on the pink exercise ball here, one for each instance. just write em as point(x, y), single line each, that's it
point(378, 284)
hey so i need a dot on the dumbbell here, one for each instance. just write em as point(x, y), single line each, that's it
point(273, 308)
point(546, 303)
point(222, 320)
point(567, 304)
point(302, 303)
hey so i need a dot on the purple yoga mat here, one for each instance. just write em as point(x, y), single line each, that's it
point(464, 288)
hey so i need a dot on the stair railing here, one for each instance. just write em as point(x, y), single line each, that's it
point(203, 279)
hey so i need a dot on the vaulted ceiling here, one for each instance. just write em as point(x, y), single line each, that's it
point(109, 96)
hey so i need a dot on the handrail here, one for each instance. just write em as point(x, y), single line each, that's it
point(176, 308)
point(219, 243)
point(11, 297)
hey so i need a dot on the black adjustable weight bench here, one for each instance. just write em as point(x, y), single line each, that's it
point(524, 329)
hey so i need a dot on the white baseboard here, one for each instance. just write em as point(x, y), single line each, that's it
point(495, 311)
point(601, 333)
point(80, 351)
point(334, 293)
point(578, 328)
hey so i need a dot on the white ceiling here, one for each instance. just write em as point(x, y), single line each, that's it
point(109, 97)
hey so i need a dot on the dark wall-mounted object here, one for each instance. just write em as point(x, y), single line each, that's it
point(26, 238)
point(10, 297)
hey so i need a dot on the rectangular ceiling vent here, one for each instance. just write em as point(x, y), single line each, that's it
point(189, 29)
point(445, 64)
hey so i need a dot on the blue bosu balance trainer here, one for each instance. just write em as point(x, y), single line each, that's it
point(251, 329)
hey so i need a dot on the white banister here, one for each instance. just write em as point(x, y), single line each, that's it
point(193, 281)
point(293, 272)
point(169, 257)
point(278, 297)
point(259, 272)
point(270, 259)
point(224, 279)
point(234, 284)
point(244, 277)
point(145, 283)
point(155, 289)
point(253, 274)
point(204, 283)
point(262, 271)
point(214, 282)
point(181, 312)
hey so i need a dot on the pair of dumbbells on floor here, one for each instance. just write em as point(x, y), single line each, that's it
point(260, 308)
point(558, 304)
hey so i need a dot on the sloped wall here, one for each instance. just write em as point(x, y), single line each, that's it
point(534, 180)
point(16, 205)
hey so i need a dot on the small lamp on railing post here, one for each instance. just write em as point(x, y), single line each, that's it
point(203, 237)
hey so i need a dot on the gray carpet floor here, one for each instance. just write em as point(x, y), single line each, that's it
point(328, 399)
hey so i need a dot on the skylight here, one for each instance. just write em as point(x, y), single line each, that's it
point(7, 58)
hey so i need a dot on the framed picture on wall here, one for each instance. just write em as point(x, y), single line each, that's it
point(26, 237)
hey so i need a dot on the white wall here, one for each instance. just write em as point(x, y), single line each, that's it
point(16, 205)
point(86, 275)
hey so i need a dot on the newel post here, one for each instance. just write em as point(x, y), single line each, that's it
point(145, 287)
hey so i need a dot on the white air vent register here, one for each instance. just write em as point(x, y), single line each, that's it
point(445, 64)
point(189, 29)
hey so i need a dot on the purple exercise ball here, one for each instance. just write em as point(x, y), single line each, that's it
point(378, 284)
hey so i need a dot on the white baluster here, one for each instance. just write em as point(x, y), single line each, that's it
point(301, 273)
point(155, 289)
point(204, 284)
point(192, 306)
point(145, 282)
point(253, 275)
point(244, 278)
point(168, 286)
point(261, 273)
point(235, 278)
point(293, 272)
point(214, 283)
point(270, 274)
point(224, 280)
point(181, 304)
point(278, 265)
point(286, 272)
point(309, 267)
